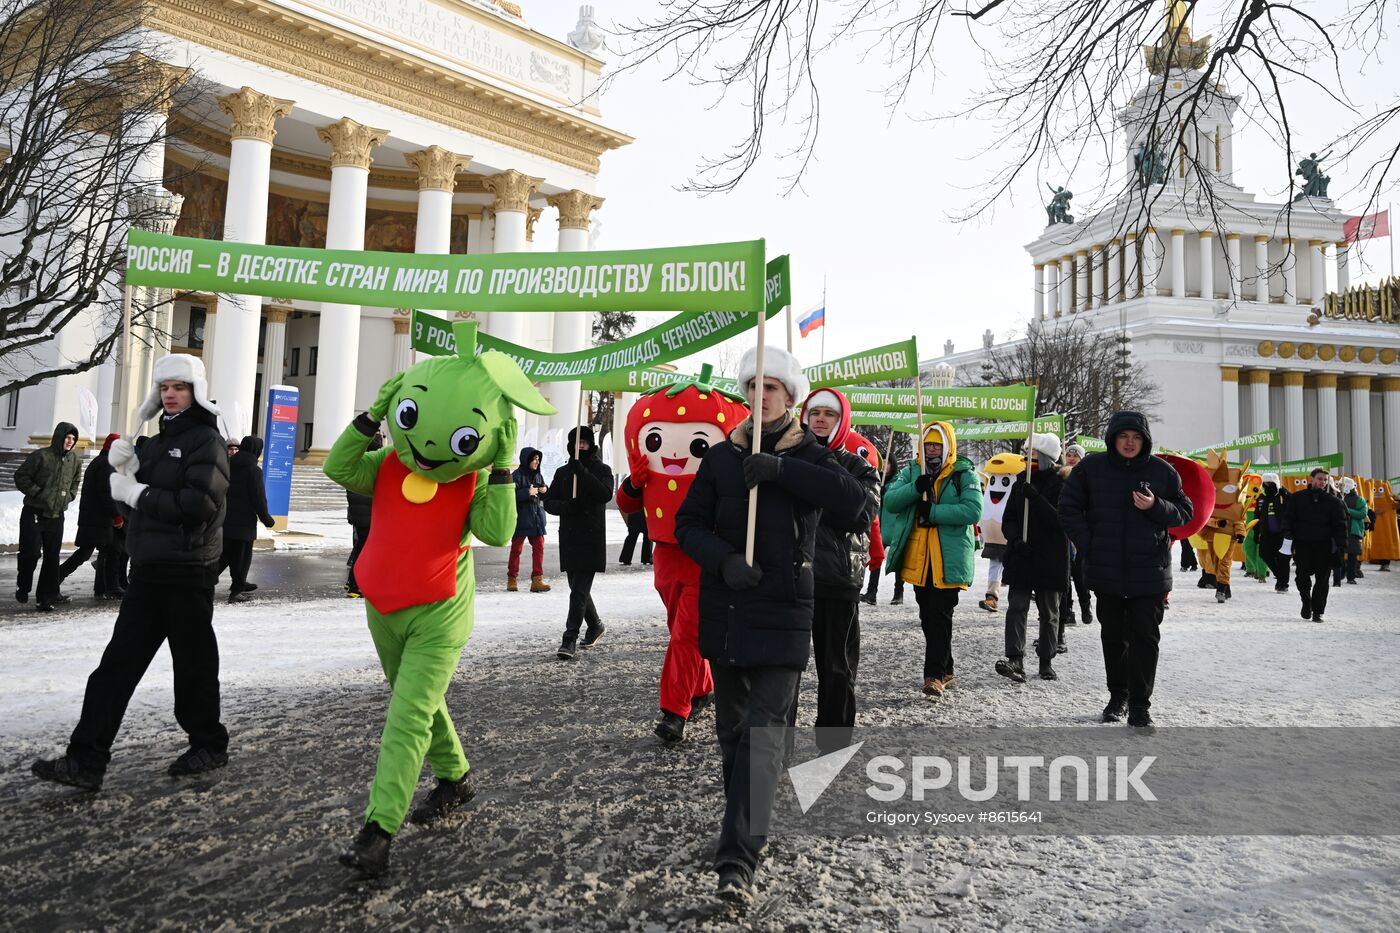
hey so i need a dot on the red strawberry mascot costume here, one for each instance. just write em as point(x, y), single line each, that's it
point(667, 434)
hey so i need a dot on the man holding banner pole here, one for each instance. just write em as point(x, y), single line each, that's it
point(756, 556)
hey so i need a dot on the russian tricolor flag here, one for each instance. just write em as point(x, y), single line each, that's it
point(814, 319)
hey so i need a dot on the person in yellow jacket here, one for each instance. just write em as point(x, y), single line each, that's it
point(930, 508)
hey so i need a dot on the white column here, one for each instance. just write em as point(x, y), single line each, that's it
point(274, 348)
point(1360, 460)
point(1039, 291)
point(1052, 289)
point(1081, 290)
point(1327, 414)
point(1130, 266)
point(1317, 272)
point(1178, 260)
point(437, 179)
point(1066, 285)
point(1343, 253)
point(573, 330)
point(403, 345)
point(1232, 251)
point(1261, 269)
point(1258, 380)
point(1390, 385)
point(1290, 272)
point(1230, 400)
point(474, 234)
point(1114, 252)
point(512, 190)
point(1096, 274)
point(232, 364)
point(1207, 238)
point(339, 335)
point(1293, 428)
point(1151, 261)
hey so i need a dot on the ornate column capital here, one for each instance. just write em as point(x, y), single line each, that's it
point(253, 113)
point(1325, 380)
point(1390, 384)
point(148, 83)
point(1358, 383)
point(1261, 238)
point(574, 208)
point(350, 142)
point(1206, 234)
point(275, 314)
point(512, 190)
point(1257, 377)
point(1178, 232)
point(1232, 236)
point(1229, 374)
point(437, 167)
point(531, 215)
point(400, 326)
point(1292, 379)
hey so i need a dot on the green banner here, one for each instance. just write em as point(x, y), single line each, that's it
point(680, 336)
point(1330, 463)
point(720, 277)
point(1258, 439)
point(995, 403)
point(904, 423)
point(1091, 445)
point(895, 361)
point(821, 375)
point(1008, 430)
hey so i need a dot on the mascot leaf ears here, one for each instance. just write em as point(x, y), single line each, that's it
point(502, 370)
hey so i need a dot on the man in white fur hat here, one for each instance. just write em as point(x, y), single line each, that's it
point(175, 490)
point(756, 621)
point(1036, 564)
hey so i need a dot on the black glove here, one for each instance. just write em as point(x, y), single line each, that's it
point(761, 468)
point(1031, 491)
point(269, 524)
point(922, 508)
point(737, 573)
point(923, 483)
point(1020, 550)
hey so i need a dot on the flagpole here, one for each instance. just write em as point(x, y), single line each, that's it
point(824, 316)
point(1389, 219)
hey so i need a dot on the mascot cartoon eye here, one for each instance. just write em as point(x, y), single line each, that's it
point(1006, 481)
point(697, 447)
point(1230, 487)
point(653, 441)
point(862, 452)
point(406, 415)
point(464, 441)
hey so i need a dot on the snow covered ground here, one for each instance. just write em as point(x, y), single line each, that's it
point(583, 821)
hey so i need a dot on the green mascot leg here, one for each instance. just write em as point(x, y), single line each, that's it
point(419, 649)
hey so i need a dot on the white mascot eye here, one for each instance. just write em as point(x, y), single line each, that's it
point(1231, 487)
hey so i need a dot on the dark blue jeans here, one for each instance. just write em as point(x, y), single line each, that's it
point(748, 698)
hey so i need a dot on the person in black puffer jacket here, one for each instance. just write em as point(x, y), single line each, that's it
point(247, 505)
point(582, 512)
point(1037, 566)
point(358, 513)
point(1315, 532)
point(176, 494)
point(530, 488)
point(99, 522)
point(842, 553)
point(1116, 507)
point(756, 621)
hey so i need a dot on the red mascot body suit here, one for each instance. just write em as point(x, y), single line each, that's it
point(668, 432)
point(862, 447)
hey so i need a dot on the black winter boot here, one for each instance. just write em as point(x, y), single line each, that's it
point(1012, 669)
point(369, 852)
point(1207, 581)
point(443, 799)
point(1139, 717)
point(197, 761)
point(568, 647)
point(1115, 710)
point(1047, 672)
point(65, 770)
point(670, 728)
point(699, 704)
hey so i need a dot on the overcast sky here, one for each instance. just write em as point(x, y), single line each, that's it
point(872, 222)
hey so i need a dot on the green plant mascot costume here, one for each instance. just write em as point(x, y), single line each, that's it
point(450, 417)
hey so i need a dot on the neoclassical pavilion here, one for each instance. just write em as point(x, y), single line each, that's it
point(431, 126)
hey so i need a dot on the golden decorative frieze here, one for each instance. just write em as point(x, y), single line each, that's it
point(313, 50)
point(1286, 350)
point(512, 190)
point(1326, 353)
point(1346, 354)
point(1387, 355)
point(351, 142)
point(1380, 302)
point(1266, 348)
point(576, 207)
point(254, 115)
point(1367, 355)
point(437, 167)
point(1307, 351)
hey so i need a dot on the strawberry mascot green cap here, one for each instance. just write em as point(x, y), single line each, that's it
point(445, 478)
point(668, 433)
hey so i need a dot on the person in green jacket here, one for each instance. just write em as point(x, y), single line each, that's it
point(1357, 512)
point(49, 480)
point(929, 511)
point(452, 417)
